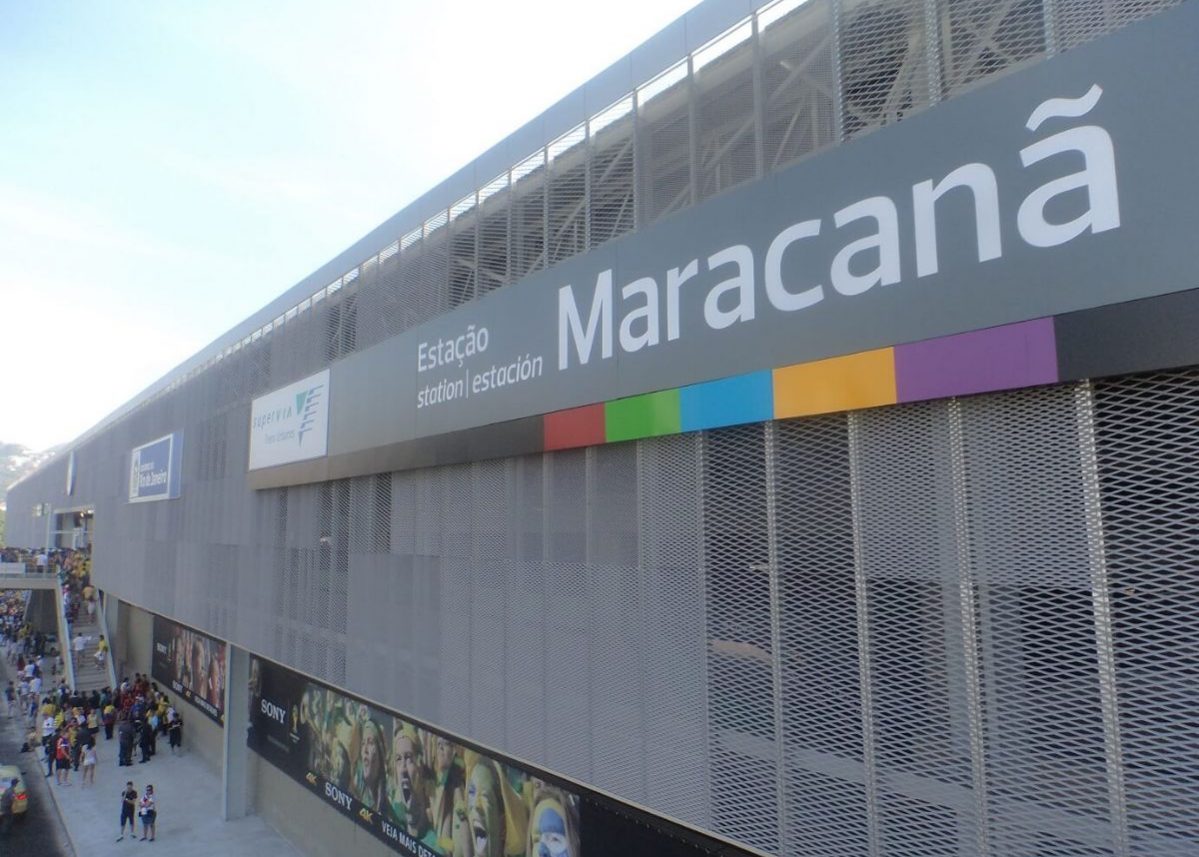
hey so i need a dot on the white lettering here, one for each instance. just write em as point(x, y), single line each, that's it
point(570, 325)
point(647, 314)
point(980, 180)
point(870, 255)
point(1098, 175)
point(885, 241)
point(776, 289)
point(675, 278)
point(338, 796)
point(741, 285)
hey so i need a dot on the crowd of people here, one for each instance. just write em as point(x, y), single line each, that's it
point(66, 726)
point(63, 725)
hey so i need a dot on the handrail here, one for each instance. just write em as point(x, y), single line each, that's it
point(64, 639)
point(102, 623)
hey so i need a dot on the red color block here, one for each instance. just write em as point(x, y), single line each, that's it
point(574, 428)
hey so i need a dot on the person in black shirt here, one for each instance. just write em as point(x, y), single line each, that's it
point(128, 805)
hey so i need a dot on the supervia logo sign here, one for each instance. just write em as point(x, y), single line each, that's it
point(307, 406)
point(290, 424)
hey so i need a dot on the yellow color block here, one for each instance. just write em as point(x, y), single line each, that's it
point(864, 380)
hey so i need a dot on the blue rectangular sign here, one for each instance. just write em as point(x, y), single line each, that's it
point(154, 469)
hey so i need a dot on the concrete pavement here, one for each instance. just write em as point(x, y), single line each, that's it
point(189, 808)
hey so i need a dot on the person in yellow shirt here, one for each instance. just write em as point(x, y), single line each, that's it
point(101, 651)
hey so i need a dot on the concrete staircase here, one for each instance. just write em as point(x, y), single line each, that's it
point(89, 675)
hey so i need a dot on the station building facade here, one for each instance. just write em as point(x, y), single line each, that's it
point(785, 444)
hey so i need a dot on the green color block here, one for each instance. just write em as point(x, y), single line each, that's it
point(642, 416)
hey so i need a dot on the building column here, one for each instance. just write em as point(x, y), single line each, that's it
point(236, 794)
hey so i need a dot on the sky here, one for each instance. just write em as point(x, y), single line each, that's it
point(168, 168)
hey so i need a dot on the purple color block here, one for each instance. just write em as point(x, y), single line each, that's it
point(998, 358)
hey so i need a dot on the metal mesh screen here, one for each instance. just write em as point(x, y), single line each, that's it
point(664, 136)
point(819, 656)
point(982, 38)
point(741, 713)
point(798, 83)
point(612, 179)
point(463, 253)
point(566, 205)
point(908, 580)
point(493, 236)
point(727, 142)
point(526, 246)
point(958, 627)
point(1079, 21)
point(1148, 474)
point(885, 63)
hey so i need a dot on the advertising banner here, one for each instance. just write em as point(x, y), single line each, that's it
point(192, 665)
point(154, 469)
point(290, 424)
point(420, 792)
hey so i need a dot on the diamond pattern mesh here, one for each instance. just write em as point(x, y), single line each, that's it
point(665, 133)
point(1079, 21)
point(884, 62)
point(1148, 473)
point(959, 627)
point(727, 146)
point(798, 84)
point(567, 203)
point(984, 37)
point(613, 186)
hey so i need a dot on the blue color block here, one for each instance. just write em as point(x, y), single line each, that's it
point(727, 402)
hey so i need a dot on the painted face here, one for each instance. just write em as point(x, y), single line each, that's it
point(405, 768)
point(445, 755)
point(340, 763)
point(199, 669)
point(485, 812)
point(372, 756)
point(461, 825)
point(411, 784)
point(551, 837)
